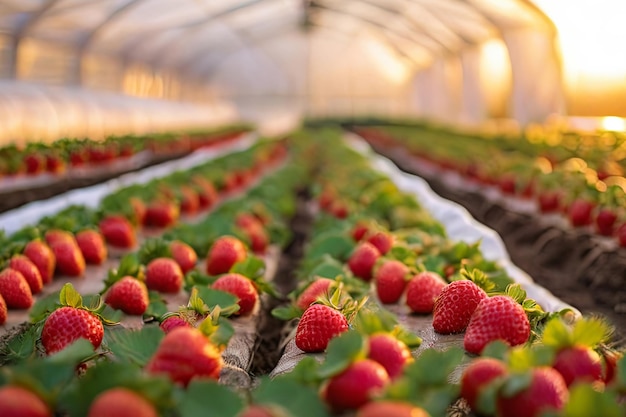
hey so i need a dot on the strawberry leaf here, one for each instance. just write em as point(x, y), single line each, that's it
point(20, 346)
point(557, 334)
point(336, 245)
point(209, 399)
point(515, 384)
point(157, 305)
point(585, 401)
point(252, 267)
point(195, 277)
point(305, 372)
point(70, 297)
point(134, 346)
point(287, 313)
point(591, 331)
point(497, 349)
point(222, 333)
point(152, 249)
point(341, 352)
point(328, 268)
point(226, 301)
point(296, 399)
point(44, 306)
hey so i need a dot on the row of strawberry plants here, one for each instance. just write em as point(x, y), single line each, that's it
point(584, 184)
point(57, 157)
point(362, 250)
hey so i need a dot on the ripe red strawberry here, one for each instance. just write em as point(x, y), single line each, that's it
point(118, 232)
point(389, 408)
point(121, 402)
point(3, 311)
point(477, 376)
point(383, 241)
point(164, 275)
point(16, 401)
point(496, 318)
point(58, 235)
point(184, 354)
point(339, 209)
point(578, 364)
point(184, 255)
point(549, 201)
point(621, 235)
point(390, 279)
point(161, 213)
point(258, 238)
point(391, 353)
point(610, 358)
point(68, 324)
point(359, 231)
point(207, 194)
point(455, 305)
point(70, 260)
point(242, 288)
point(579, 212)
point(605, 221)
point(129, 295)
point(139, 209)
point(55, 163)
point(317, 288)
point(29, 270)
point(225, 252)
point(34, 163)
point(172, 322)
point(362, 260)
point(42, 256)
point(547, 392)
point(189, 200)
point(422, 290)
point(317, 326)
point(355, 386)
point(15, 290)
point(92, 246)
point(246, 220)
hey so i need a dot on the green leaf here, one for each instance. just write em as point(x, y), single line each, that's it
point(433, 367)
point(584, 401)
point(297, 400)
point(329, 268)
point(195, 277)
point(20, 346)
point(341, 352)
point(209, 399)
point(557, 334)
point(497, 349)
point(157, 305)
point(336, 245)
point(134, 346)
point(590, 331)
point(222, 334)
point(226, 301)
point(287, 313)
point(70, 297)
point(44, 306)
point(251, 267)
point(516, 383)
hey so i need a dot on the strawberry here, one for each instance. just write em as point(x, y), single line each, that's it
point(57, 235)
point(55, 163)
point(184, 354)
point(189, 200)
point(207, 194)
point(247, 220)
point(164, 275)
point(15, 290)
point(390, 279)
point(35, 163)
point(496, 318)
point(547, 392)
point(313, 291)
point(70, 260)
point(477, 376)
point(391, 353)
point(362, 260)
point(121, 402)
point(118, 231)
point(29, 270)
point(129, 295)
point(422, 290)
point(317, 326)
point(359, 231)
point(68, 324)
point(242, 288)
point(455, 305)
point(171, 322)
point(605, 221)
point(92, 246)
point(579, 212)
point(3, 311)
point(225, 252)
point(621, 235)
point(389, 408)
point(339, 209)
point(258, 238)
point(161, 213)
point(42, 256)
point(16, 401)
point(577, 364)
point(139, 209)
point(549, 201)
point(355, 386)
point(383, 241)
point(507, 184)
point(184, 255)
point(610, 358)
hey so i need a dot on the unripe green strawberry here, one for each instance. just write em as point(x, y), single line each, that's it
point(185, 354)
point(317, 288)
point(92, 246)
point(455, 305)
point(184, 255)
point(29, 270)
point(362, 260)
point(383, 241)
point(242, 288)
point(16, 401)
point(225, 252)
point(497, 318)
point(121, 402)
point(422, 291)
point(388, 408)
point(547, 392)
point(70, 260)
point(477, 376)
point(317, 326)
point(3, 311)
point(390, 279)
point(129, 295)
point(42, 256)
point(391, 353)
point(355, 386)
point(68, 324)
point(164, 275)
point(578, 364)
point(15, 290)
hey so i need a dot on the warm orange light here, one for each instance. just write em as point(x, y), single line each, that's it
point(614, 124)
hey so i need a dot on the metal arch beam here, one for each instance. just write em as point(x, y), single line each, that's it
point(193, 26)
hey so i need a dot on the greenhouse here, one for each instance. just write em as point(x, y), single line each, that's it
point(311, 208)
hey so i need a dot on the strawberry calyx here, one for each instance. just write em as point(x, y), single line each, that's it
point(69, 297)
point(217, 328)
point(373, 320)
point(479, 278)
point(590, 332)
point(128, 266)
point(341, 301)
point(153, 249)
point(253, 268)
